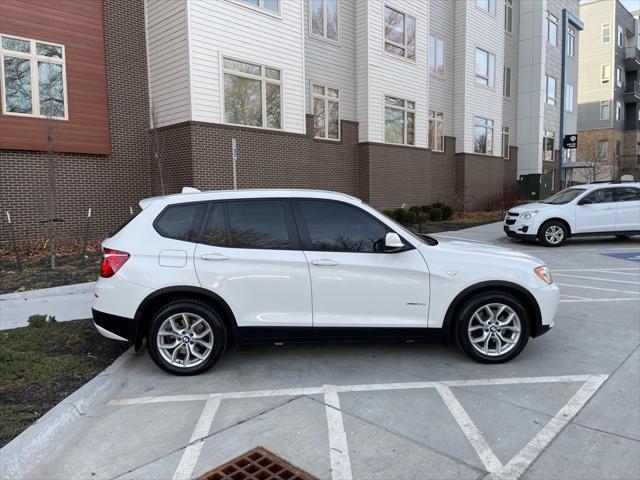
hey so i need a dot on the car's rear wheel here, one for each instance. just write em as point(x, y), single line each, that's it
point(553, 233)
point(186, 337)
point(493, 327)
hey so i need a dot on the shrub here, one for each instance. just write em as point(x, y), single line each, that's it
point(400, 215)
point(389, 213)
point(411, 217)
point(415, 209)
point(447, 212)
point(426, 208)
point(435, 215)
point(39, 321)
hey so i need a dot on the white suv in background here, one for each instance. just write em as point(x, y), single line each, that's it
point(196, 272)
point(594, 209)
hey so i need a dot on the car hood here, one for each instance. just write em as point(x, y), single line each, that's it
point(455, 246)
point(530, 206)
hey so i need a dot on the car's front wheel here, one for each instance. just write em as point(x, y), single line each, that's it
point(553, 233)
point(493, 327)
point(186, 337)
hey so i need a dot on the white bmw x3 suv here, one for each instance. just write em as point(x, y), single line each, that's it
point(194, 273)
point(587, 210)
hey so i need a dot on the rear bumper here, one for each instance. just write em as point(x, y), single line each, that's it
point(115, 327)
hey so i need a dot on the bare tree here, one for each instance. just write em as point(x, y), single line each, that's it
point(156, 145)
point(595, 158)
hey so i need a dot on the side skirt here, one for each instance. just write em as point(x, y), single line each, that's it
point(323, 334)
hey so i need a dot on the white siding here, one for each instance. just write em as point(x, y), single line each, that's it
point(328, 63)
point(362, 69)
point(228, 28)
point(168, 60)
point(510, 104)
point(391, 75)
point(442, 23)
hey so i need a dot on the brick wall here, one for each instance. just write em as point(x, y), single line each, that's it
point(107, 184)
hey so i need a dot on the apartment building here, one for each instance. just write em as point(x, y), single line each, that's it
point(609, 90)
point(395, 101)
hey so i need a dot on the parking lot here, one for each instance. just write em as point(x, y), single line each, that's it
point(568, 407)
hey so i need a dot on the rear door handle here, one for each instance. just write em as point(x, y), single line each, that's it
point(213, 256)
point(325, 262)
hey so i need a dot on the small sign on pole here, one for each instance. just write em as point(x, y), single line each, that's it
point(234, 158)
point(570, 142)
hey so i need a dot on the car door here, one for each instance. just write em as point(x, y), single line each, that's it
point(249, 255)
point(354, 281)
point(628, 209)
point(596, 212)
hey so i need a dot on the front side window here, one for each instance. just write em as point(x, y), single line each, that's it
point(436, 55)
point(399, 33)
point(324, 18)
point(606, 32)
point(488, 6)
point(604, 110)
point(604, 195)
point(551, 27)
point(548, 144)
point(485, 68)
point(436, 131)
point(399, 121)
point(508, 15)
point(326, 112)
point(628, 194)
point(181, 222)
point(603, 150)
point(568, 102)
point(507, 82)
point(338, 227)
point(268, 5)
point(605, 73)
point(33, 78)
point(505, 142)
point(258, 224)
point(551, 90)
point(572, 42)
point(252, 94)
point(483, 135)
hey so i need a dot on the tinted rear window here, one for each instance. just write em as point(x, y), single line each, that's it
point(258, 224)
point(181, 222)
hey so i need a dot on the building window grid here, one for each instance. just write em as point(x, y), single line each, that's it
point(508, 16)
point(436, 55)
point(606, 33)
point(507, 82)
point(603, 150)
point(326, 106)
point(571, 48)
point(488, 6)
point(404, 47)
point(569, 98)
point(619, 77)
point(550, 89)
point(483, 135)
point(548, 145)
point(324, 19)
point(436, 131)
point(271, 6)
point(270, 98)
point(505, 142)
point(485, 67)
point(551, 27)
point(56, 78)
point(604, 110)
point(619, 111)
point(605, 73)
point(620, 36)
point(399, 120)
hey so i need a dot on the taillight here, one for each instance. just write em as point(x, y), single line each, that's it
point(112, 260)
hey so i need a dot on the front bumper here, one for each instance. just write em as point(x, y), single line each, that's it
point(548, 299)
point(518, 235)
point(115, 327)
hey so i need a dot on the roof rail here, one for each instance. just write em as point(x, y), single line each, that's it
point(187, 190)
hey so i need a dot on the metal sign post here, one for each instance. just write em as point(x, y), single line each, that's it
point(234, 158)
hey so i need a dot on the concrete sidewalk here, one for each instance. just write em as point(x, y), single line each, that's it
point(69, 302)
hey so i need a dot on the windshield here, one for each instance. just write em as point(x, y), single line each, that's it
point(565, 196)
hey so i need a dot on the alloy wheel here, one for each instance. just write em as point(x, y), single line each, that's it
point(185, 340)
point(554, 234)
point(494, 329)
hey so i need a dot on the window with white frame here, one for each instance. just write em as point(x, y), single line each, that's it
point(551, 28)
point(505, 142)
point(508, 15)
point(604, 110)
point(548, 145)
point(252, 94)
point(488, 6)
point(603, 150)
point(268, 5)
point(506, 84)
point(619, 114)
point(620, 37)
point(33, 78)
point(326, 112)
point(436, 55)
point(605, 73)
point(606, 32)
point(324, 18)
point(619, 76)
point(571, 48)
point(399, 120)
point(551, 90)
point(485, 67)
point(435, 140)
point(399, 33)
point(483, 135)
point(568, 98)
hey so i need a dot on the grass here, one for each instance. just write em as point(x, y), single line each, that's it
point(42, 364)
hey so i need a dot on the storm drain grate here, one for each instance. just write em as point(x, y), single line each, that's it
point(257, 464)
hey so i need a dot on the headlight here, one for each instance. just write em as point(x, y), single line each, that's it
point(529, 214)
point(544, 274)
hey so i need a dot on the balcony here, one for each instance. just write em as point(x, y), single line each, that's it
point(631, 59)
point(632, 92)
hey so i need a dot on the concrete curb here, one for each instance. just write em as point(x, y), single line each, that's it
point(19, 455)
point(49, 292)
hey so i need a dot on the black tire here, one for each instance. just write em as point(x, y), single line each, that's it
point(204, 311)
point(547, 228)
point(471, 306)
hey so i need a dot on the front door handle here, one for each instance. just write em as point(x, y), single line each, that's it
point(213, 256)
point(325, 262)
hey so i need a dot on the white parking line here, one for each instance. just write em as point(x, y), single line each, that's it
point(636, 269)
point(595, 278)
point(338, 446)
point(200, 432)
point(591, 300)
point(597, 288)
point(571, 250)
point(634, 274)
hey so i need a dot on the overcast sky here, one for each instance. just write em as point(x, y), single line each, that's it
point(631, 5)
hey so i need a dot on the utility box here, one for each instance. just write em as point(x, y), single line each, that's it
point(535, 186)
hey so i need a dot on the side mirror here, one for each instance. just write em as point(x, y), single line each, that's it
point(392, 242)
